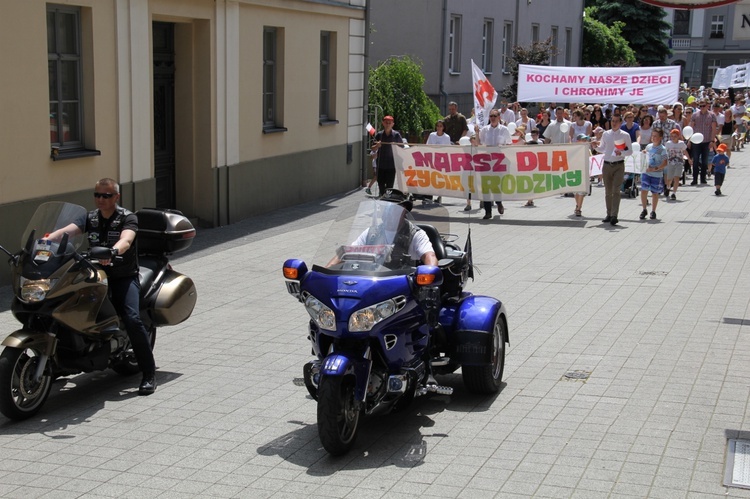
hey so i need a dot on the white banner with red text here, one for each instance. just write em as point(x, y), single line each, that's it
point(646, 85)
point(503, 173)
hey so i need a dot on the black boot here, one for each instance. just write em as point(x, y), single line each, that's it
point(148, 384)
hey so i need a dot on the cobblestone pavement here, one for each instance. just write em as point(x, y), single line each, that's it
point(655, 311)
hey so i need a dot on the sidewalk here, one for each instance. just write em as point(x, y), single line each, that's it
point(653, 313)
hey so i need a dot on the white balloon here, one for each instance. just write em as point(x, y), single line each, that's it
point(564, 128)
point(528, 137)
point(636, 147)
point(512, 128)
point(696, 138)
point(687, 132)
point(464, 141)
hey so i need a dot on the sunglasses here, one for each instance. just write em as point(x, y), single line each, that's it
point(105, 195)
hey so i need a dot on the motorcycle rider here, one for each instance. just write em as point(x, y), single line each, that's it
point(114, 227)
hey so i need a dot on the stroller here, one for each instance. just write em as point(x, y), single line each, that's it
point(632, 179)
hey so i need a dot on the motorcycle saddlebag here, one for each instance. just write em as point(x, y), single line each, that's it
point(163, 231)
point(175, 300)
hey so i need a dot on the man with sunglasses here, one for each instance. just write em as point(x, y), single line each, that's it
point(702, 122)
point(115, 227)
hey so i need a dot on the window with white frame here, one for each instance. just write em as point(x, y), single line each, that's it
point(487, 36)
point(681, 23)
point(555, 45)
point(568, 46)
point(507, 45)
point(454, 45)
point(717, 26)
point(64, 68)
point(327, 76)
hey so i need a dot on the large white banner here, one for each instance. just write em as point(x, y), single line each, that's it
point(737, 76)
point(493, 173)
point(648, 85)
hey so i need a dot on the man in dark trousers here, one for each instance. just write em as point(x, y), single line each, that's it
point(386, 165)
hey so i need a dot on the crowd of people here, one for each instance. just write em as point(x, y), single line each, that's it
point(692, 137)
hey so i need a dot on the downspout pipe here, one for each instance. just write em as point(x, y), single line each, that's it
point(443, 94)
point(365, 97)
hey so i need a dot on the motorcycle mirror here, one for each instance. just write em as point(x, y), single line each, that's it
point(63, 244)
point(30, 242)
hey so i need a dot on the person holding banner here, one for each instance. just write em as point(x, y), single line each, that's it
point(386, 165)
point(494, 134)
point(615, 145)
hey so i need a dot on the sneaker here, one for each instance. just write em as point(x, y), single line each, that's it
point(368, 191)
point(666, 192)
point(643, 214)
point(467, 207)
point(673, 197)
point(653, 215)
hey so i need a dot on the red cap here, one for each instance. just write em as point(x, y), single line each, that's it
point(387, 117)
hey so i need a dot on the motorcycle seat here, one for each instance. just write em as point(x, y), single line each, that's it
point(435, 239)
point(456, 275)
point(148, 269)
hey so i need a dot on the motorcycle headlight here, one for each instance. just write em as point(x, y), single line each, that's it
point(365, 319)
point(33, 291)
point(322, 315)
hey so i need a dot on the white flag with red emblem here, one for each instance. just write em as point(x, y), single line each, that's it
point(370, 129)
point(484, 95)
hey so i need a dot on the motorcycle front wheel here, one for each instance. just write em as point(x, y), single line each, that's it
point(488, 378)
point(338, 414)
point(20, 396)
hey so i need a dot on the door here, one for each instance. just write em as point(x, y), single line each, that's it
point(164, 135)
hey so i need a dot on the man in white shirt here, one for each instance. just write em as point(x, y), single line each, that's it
point(615, 145)
point(506, 115)
point(494, 134)
point(556, 133)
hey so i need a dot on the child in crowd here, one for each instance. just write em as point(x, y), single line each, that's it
point(719, 166)
point(676, 150)
point(652, 180)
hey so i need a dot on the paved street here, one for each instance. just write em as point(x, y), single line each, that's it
point(654, 312)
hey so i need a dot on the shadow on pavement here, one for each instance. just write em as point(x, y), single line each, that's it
point(397, 439)
point(73, 400)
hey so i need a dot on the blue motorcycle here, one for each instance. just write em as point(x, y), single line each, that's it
point(382, 326)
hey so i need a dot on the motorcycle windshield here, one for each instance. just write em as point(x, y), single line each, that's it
point(377, 238)
point(47, 219)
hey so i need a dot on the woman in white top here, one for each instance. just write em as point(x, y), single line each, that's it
point(439, 137)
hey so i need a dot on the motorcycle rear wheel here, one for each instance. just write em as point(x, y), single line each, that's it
point(488, 378)
point(338, 414)
point(129, 365)
point(20, 396)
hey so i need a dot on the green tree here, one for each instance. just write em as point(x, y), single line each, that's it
point(396, 86)
point(644, 27)
point(536, 54)
point(604, 45)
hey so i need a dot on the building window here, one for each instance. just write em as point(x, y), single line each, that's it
point(507, 45)
point(327, 76)
point(487, 36)
point(717, 26)
point(681, 24)
point(555, 45)
point(454, 45)
point(534, 33)
point(568, 47)
point(272, 84)
point(64, 66)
